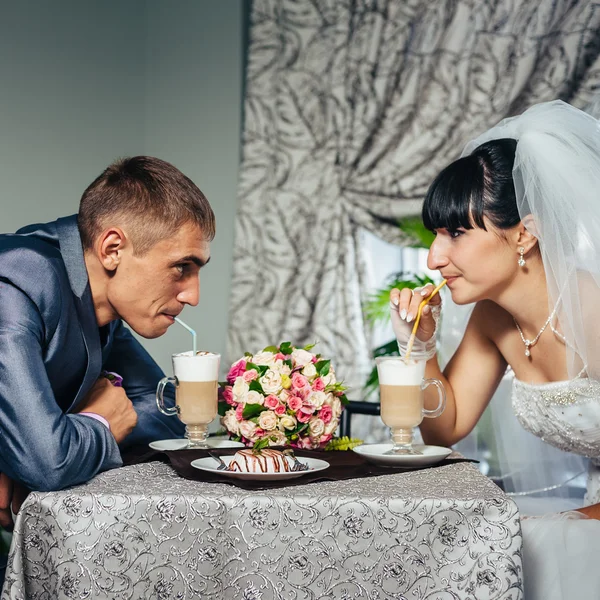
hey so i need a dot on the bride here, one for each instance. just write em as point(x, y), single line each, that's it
point(517, 225)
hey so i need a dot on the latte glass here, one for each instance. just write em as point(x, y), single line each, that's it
point(401, 387)
point(195, 380)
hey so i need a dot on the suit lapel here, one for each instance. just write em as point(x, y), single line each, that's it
point(72, 253)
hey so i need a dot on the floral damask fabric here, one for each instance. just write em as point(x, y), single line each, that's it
point(351, 108)
point(143, 532)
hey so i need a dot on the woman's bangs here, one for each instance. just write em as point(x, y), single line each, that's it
point(454, 195)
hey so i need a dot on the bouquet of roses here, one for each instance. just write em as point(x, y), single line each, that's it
point(282, 396)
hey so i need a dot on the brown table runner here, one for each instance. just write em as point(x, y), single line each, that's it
point(343, 465)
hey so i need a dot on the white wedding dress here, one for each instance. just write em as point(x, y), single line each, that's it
point(561, 552)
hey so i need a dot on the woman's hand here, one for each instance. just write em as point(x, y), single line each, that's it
point(404, 306)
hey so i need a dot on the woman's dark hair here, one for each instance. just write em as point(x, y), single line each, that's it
point(473, 186)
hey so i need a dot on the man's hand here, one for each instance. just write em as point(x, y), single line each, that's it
point(12, 495)
point(113, 404)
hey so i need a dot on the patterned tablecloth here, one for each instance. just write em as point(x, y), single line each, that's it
point(144, 532)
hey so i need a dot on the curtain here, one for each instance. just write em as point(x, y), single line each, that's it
point(351, 109)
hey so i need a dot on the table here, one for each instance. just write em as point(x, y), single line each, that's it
point(143, 532)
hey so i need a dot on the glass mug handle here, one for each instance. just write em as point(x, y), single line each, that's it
point(436, 412)
point(160, 401)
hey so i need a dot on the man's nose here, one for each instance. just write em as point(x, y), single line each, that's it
point(437, 257)
point(191, 293)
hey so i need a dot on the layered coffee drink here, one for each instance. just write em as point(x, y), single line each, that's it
point(196, 387)
point(401, 387)
point(401, 394)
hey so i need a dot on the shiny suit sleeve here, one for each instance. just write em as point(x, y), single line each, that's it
point(141, 375)
point(41, 446)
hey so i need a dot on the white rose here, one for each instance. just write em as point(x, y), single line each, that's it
point(267, 420)
point(317, 399)
point(331, 427)
point(301, 357)
point(240, 389)
point(254, 397)
point(309, 370)
point(271, 382)
point(287, 422)
point(277, 438)
point(281, 367)
point(230, 422)
point(247, 429)
point(336, 407)
point(264, 358)
point(316, 427)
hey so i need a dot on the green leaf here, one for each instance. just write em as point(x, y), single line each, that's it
point(273, 349)
point(414, 228)
point(252, 410)
point(343, 443)
point(248, 354)
point(288, 363)
point(299, 429)
point(323, 367)
point(260, 444)
point(286, 348)
point(344, 399)
point(222, 408)
point(256, 387)
point(260, 369)
point(309, 347)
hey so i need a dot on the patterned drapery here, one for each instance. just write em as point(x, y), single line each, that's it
point(351, 108)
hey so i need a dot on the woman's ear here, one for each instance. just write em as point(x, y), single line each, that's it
point(525, 234)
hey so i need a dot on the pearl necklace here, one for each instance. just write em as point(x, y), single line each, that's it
point(533, 342)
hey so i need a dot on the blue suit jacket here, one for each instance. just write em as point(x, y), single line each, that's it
point(51, 353)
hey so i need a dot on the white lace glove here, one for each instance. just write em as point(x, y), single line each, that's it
point(406, 304)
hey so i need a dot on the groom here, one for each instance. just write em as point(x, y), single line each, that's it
point(132, 254)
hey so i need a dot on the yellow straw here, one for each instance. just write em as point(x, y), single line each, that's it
point(423, 304)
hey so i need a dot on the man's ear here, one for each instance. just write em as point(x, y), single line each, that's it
point(110, 247)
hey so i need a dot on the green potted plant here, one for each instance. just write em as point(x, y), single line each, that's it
point(377, 310)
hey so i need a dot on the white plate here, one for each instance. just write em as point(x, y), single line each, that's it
point(210, 464)
point(181, 444)
point(375, 453)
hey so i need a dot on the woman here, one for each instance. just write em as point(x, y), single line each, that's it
point(517, 224)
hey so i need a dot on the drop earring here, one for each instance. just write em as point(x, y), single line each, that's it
point(521, 261)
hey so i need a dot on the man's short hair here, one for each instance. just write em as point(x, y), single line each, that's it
point(149, 196)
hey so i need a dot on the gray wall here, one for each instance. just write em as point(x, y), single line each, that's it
point(83, 82)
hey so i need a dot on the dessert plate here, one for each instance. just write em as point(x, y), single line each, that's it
point(181, 444)
point(210, 465)
point(375, 453)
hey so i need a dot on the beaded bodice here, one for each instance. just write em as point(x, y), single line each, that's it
point(565, 414)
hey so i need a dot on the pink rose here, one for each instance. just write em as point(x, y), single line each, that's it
point(258, 432)
point(299, 381)
point(303, 417)
point(271, 402)
point(325, 438)
point(325, 414)
point(239, 412)
point(304, 393)
point(227, 394)
point(318, 385)
point(250, 375)
point(280, 356)
point(280, 410)
point(294, 403)
point(237, 370)
point(305, 443)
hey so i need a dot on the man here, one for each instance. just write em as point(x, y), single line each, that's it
point(133, 253)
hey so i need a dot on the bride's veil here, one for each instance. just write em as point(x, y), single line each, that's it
point(557, 183)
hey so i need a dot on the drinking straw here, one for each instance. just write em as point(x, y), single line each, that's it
point(194, 346)
point(423, 304)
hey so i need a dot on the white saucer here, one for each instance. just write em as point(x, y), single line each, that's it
point(375, 453)
point(181, 444)
point(210, 465)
